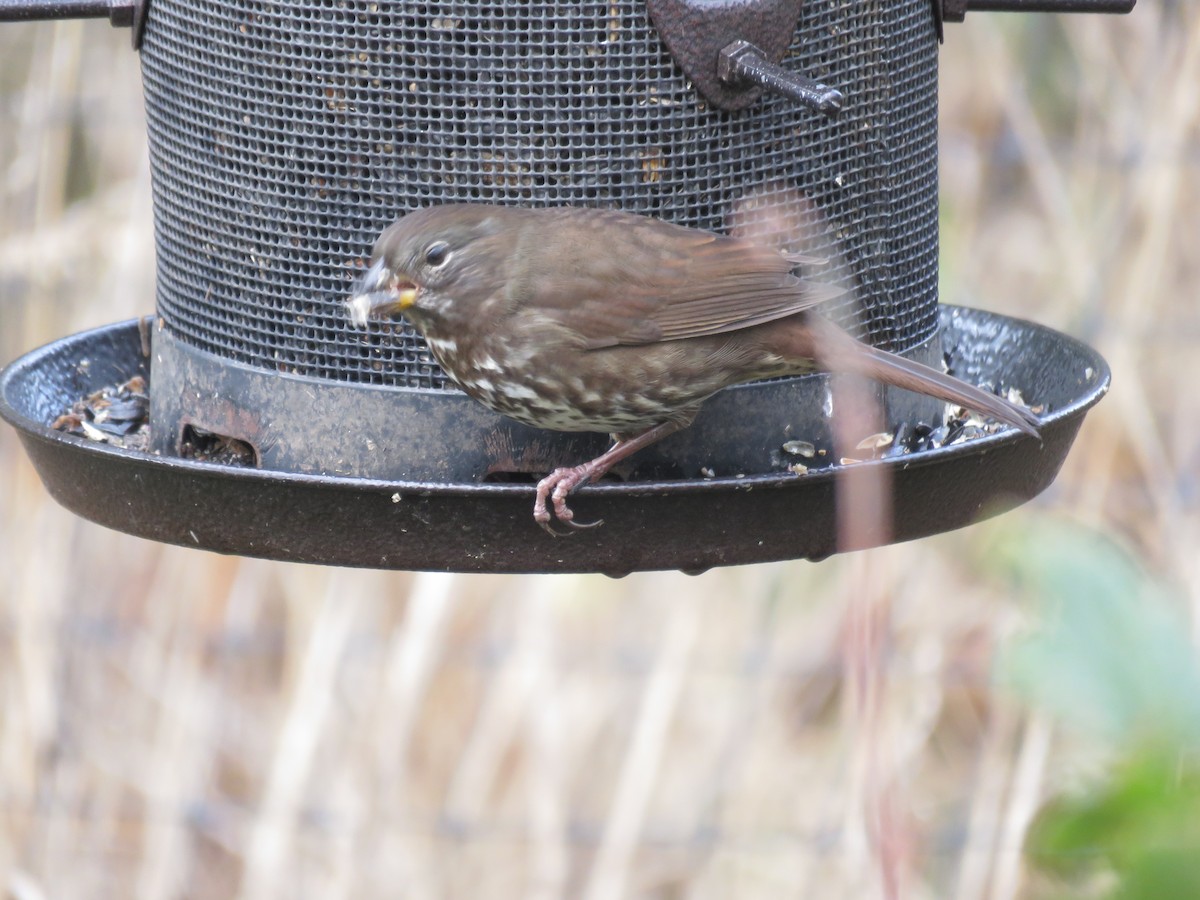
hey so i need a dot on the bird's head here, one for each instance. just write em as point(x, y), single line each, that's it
point(434, 265)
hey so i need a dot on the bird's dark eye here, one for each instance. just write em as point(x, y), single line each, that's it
point(437, 253)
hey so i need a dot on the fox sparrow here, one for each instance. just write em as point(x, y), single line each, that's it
point(576, 319)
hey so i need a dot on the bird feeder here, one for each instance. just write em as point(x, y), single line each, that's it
point(284, 137)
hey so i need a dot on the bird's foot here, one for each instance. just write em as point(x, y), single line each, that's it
point(556, 487)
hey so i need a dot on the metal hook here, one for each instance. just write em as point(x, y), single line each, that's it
point(956, 10)
point(742, 62)
point(121, 13)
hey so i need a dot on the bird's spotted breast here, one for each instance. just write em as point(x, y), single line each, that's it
point(533, 390)
point(445, 351)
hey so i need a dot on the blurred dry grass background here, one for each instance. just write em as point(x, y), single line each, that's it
point(175, 723)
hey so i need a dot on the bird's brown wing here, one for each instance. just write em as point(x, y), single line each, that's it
point(614, 278)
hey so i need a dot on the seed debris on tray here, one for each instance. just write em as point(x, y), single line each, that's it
point(206, 446)
point(960, 425)
point(116, 414)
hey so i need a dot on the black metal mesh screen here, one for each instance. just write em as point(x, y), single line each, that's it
point(285, 136)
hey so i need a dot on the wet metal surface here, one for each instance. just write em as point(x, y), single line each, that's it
point(692, 524)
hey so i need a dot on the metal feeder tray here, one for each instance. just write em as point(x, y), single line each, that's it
point(690, 524)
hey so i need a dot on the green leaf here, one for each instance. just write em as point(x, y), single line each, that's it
point(1110, 653)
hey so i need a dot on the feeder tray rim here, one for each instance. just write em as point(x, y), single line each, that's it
point(651, 525)
point(775, 479)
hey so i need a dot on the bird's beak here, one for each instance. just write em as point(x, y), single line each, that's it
point(379, 294)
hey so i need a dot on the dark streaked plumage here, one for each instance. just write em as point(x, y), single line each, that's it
point(578, 319)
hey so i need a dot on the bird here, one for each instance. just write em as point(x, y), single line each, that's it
point(583, 319)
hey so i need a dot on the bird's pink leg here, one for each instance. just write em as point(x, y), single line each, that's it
point(558, 485)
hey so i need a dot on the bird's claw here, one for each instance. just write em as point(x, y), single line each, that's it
point(578, 526)
point(556, 487)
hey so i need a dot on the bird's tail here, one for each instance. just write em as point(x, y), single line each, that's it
point(835, 350)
